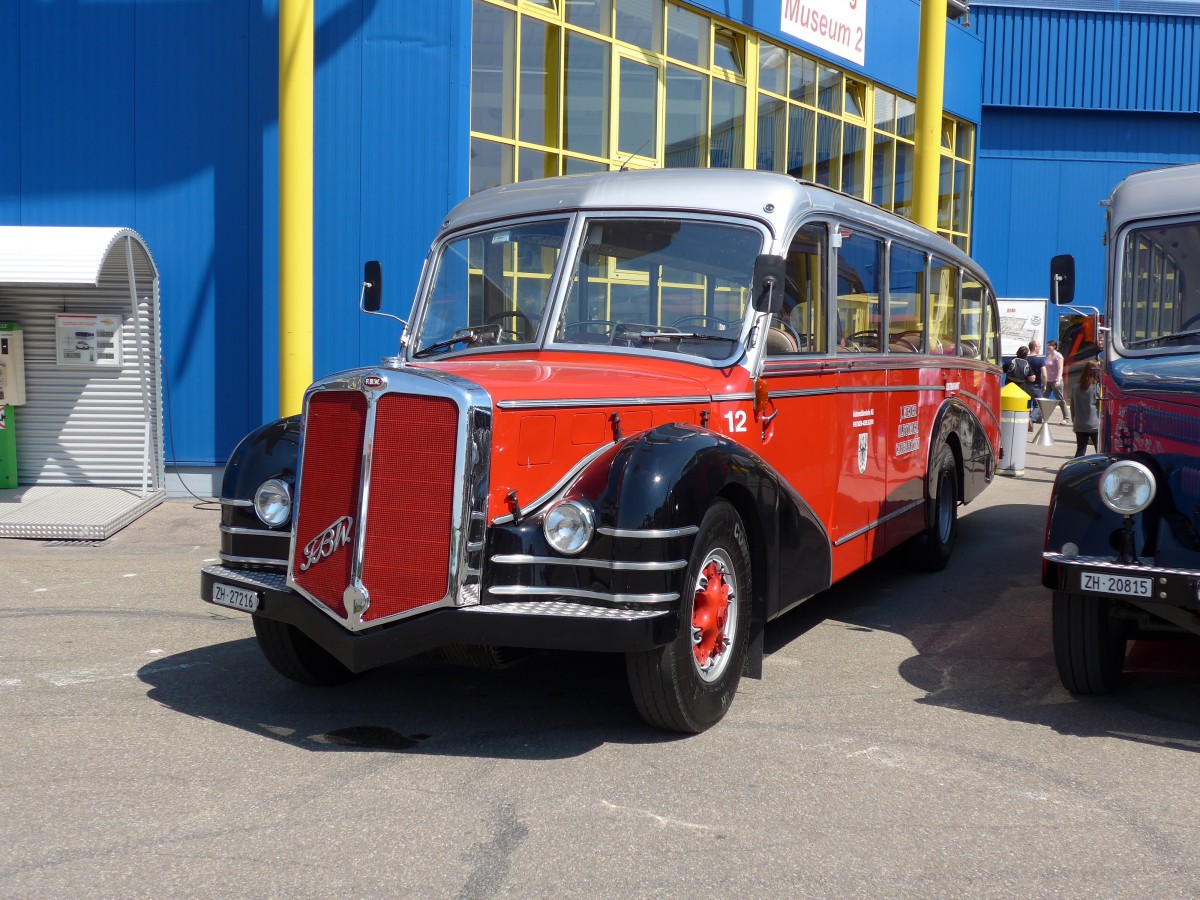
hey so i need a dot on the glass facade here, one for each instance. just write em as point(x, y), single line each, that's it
point(568, 86)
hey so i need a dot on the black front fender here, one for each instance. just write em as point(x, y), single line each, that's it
point(270, 451)
point(663, 481)
point(1166, 532)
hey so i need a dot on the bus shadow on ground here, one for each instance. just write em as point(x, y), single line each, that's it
point(548, 706)
point(981, 630)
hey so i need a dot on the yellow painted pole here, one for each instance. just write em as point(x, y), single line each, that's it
point(931, 68)
point(295, 202)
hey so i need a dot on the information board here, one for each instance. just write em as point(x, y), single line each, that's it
point(88, 340)
point(1021, 321)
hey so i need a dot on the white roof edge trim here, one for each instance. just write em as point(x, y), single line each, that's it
point(49, 254)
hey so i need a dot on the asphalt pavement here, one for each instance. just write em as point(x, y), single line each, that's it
point(909, 738)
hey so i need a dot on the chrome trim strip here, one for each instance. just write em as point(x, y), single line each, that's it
point(229, 501)
point(801, 392)
point(601, 401)
point(254, 560)
point(1107, 562)
point(861, 531)
point(892, 389)
point(520, 559)
point(260, 532)
point(649, 532)
point(566, 609)
point(732, 397)
point(518, 590)
point(558, 486)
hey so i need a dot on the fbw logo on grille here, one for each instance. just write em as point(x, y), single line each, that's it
point(327, 542)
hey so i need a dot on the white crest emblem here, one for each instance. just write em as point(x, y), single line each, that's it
point(862, 452)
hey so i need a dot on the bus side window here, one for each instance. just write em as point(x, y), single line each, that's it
point(970, 319)
point(799, 327)
point(989, 328)
point(943, 292)
point(860, 281)
point(906, 300)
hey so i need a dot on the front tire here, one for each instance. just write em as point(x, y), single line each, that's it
point(688, 685)
point(943, 512)
point(1089, 644)
point(295, 655)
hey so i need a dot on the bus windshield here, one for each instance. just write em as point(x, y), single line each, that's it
point(491, 287)
point(666, 284)
point(1160, 286)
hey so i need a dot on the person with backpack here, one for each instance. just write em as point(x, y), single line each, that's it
point(1018, 371)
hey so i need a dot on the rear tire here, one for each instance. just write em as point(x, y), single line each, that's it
point(688, 685)
point(1089, 644)
point(294, 655)
point(943, 513)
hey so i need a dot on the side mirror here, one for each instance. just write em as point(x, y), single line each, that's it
point(372, 294)
point(770, 274)
point(1062, 279)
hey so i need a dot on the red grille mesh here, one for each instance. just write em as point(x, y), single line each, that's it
point(406, 562)
point(334, 425)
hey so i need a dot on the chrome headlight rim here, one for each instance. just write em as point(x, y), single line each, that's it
point(582, 522)
point(1126, 472)
point(273, 502)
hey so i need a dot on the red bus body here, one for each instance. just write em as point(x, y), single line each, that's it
point(638, 412)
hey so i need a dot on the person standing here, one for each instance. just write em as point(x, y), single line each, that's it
point(1037, 364)
point(1085, 408)
point(1053, 375)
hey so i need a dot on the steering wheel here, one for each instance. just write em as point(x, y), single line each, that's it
point(786, 327)
point(527, 330)
point(585, 326)
point(1190, 323)
point(865, 338)
point(705, 322)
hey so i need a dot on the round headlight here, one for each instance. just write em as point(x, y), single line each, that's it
point(1127, 487)
point(273, 502)
point(569, 526)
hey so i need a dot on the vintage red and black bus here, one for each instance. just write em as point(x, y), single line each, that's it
point(634, 412)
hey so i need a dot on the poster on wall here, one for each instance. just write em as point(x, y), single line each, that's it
point(88, 340)
point(1021, 321)
point(836, 26)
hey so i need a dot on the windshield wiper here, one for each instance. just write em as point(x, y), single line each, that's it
point(666, 337)
point(470, 336)
point(1179, 335)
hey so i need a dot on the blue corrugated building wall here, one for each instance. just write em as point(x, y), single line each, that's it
point(161, 115)
point(1076, 95)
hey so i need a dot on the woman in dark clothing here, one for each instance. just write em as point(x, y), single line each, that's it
point(1085, 407)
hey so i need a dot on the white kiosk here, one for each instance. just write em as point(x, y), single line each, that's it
point(89, 435)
